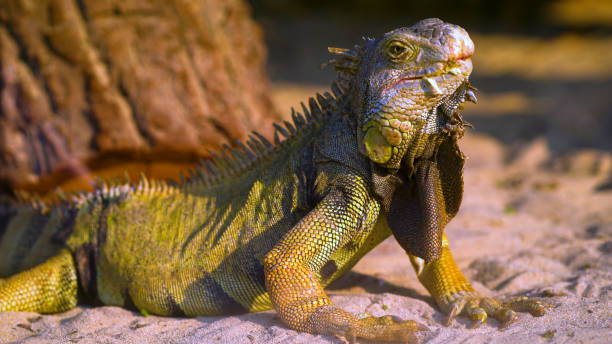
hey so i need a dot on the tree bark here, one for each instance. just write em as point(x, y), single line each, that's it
point(98, 85)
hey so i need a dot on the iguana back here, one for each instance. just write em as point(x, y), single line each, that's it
point(206, 238)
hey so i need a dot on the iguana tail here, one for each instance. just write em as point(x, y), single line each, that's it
point(30, 233)
point(37, 272)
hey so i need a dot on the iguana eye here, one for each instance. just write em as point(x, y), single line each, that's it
point(397, 50)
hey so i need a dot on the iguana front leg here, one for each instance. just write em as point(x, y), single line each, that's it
point(455, 295)
point(290, 268)
point(418, 224)
point(50, 287)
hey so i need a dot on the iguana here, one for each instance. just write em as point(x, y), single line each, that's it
point(271, 224)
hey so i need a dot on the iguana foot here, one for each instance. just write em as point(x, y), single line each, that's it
point(478, 308)
point(337, 322)
point(455, 295)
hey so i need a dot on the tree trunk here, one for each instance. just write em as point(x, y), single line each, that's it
point(105, 85)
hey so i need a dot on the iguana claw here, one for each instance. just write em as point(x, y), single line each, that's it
point(469, 95)
point(479, 308)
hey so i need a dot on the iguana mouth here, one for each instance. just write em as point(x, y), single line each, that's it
point(417, 74)
point(436, 69)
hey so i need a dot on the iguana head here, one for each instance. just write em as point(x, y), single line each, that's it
point(406, 83)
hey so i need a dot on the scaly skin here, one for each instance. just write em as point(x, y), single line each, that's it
point(272, 225)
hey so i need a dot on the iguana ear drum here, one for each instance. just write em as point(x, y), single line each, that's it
point(377, 147)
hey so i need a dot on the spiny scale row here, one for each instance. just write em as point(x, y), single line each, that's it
point(109, 190)
point(347, 63)
point(230, 161)
point(103, 191)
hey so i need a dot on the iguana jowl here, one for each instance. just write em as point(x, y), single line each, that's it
point(269, 225)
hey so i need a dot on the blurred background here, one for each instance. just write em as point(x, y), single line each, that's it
point(92, 87)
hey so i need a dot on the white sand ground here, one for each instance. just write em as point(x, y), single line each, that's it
point(522, 230)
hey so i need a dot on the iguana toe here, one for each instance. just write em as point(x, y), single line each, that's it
point(479, 308)
point(525, 304)
point(334, 321)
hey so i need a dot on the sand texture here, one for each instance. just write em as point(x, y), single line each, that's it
point(521, 231)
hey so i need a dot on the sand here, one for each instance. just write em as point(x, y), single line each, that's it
point(523, 229)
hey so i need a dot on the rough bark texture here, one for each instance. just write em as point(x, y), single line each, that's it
point(91, 84)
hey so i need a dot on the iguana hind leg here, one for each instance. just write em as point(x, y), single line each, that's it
point(291, 266)
point(50, 287)
point(455, 295)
